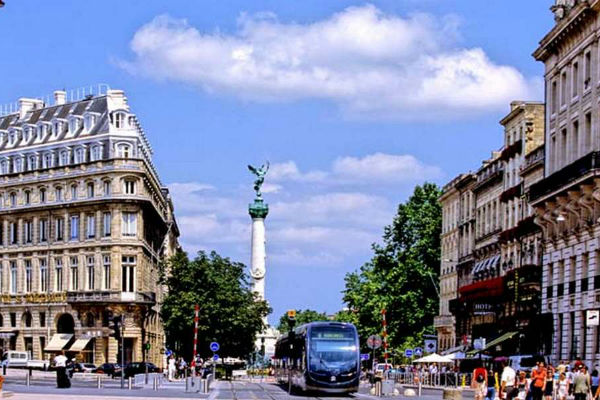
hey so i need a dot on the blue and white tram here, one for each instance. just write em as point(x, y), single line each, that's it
point(319, 356)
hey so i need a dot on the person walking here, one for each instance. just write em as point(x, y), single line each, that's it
point(491, 385)
point(508, 389)
point(62, 380)
point(581, 383)
point(595, 382)
point(549, 387)
point(171, 368)
point(562, 390)
point(538, 377)
point(523, 386)
point(479, 382)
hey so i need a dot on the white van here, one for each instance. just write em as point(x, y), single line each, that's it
point(14, 359)
point(525, 362)
point(20, 359)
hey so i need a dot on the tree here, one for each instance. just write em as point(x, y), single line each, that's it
point(302, 317)
point(230, 312)
point(400, 277)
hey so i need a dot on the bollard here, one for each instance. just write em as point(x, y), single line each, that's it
point(378, 386)
point(129, 383)
point(187, 384)
point(155, 383)
point(27, 379)
point(99, 382)
point(204, 385)
point(420, 386)
point(3, 369)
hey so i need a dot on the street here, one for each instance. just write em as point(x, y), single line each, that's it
point(223, 390)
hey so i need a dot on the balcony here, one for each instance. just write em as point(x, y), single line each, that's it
point(111, 297)
point(533, 159)
point(511, 150)
point(441, 321)
point(488, 178)
point(564, 177)
point(511, 193)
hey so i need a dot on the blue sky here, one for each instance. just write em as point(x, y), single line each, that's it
point(353, 103)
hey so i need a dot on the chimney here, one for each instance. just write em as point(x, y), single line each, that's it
point(60, 97)
point(116, 100)
point(26, 105)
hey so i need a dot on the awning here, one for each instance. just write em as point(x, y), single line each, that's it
point(500, 339)
point(494, 342)
point(58, 342)
point(80, 343)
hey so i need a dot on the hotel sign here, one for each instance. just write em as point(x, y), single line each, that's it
point(34, 298)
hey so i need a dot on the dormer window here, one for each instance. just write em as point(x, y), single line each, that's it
point(118, 120)
point(11, 138)
point(57, 128)
point(89, 122)
point(64, 158)
point(47, 160)
point(41, 130)
point(95, 153)
point(79, 155)
point(124, 151)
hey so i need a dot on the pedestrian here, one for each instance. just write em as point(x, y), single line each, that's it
point(60, 363)
point(171, 368)
point(581, 383)
point(595, 382)
point(562, 390)
point(549, 387)
point(538, 377)
point(508, 389)
point(479, 382)
point(523, 386)
point(491, 385)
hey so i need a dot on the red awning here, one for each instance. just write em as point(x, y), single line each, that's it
point(487, 288)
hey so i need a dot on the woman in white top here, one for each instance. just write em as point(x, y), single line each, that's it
point(172, 368)
point(563, 387)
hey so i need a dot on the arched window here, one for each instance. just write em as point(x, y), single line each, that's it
point(129, 186)
point(13, 199)
point(124, 150)
point(27, 319)
point(73, 192)
point(18, 164)
point(42, 195)
point(89, 122)
point(4, 167)
point(47, 160)
point(31, 164)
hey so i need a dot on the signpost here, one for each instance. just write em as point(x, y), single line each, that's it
point(418, 352)
point(430, 345)
point(365, 356)
point(408, 353)
point(214, 347)
point(374, 342)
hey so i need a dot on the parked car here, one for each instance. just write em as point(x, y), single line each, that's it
point(84, 367)
point(111, 369)
point(139, 368)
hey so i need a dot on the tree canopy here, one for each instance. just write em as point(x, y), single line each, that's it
point(230, 313)
point(400, 277)
point(302, 317)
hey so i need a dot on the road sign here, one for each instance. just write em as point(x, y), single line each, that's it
point(374, 342)
point(593, 317)
point(216, 357)
point(479, 344)
point(418, 351)
point(430, 345)
point(168, 353)
point(365, 357)
point(214, 346)
point(408, 353)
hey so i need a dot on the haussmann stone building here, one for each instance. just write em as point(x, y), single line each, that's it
point(84, 225)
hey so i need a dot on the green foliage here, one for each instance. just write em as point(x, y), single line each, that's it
point(302, 317)
point(400, 275)
point(230, 312)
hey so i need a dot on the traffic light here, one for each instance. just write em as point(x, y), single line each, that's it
point(291, 314)
point(115, 328)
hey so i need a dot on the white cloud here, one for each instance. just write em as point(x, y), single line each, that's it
point(370, 63)
point(372, 168)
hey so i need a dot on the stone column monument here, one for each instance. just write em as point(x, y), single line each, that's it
point(258, 210)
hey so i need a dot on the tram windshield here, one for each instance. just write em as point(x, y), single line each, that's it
point(332, 347)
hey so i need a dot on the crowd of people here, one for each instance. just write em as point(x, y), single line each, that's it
point(178, 368)
point(543, 382)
